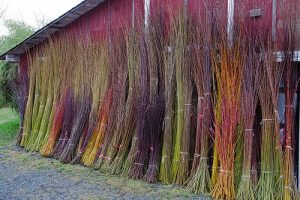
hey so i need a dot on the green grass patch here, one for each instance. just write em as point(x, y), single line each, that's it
point(9, 126)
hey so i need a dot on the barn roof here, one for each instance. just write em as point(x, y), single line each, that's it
point(57, 24)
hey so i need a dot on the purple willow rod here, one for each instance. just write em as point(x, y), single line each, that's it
point(67, 124)
point(137, 169)
point(82, 114)
point(154, 127)
point(156, 45)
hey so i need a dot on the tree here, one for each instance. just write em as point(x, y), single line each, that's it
point(17, 32)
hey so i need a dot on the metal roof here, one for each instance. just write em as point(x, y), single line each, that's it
point(57, 24)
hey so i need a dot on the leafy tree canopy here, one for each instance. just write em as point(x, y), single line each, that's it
point(17, 32)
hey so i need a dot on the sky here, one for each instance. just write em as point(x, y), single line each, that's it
point(33, 12)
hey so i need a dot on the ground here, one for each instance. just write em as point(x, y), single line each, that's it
point(26, 175)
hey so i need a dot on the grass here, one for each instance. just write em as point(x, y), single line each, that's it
point(9, 125)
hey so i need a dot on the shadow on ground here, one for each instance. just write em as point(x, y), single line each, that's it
point(25, 175)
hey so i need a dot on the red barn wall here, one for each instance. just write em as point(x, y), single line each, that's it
point(116, 14)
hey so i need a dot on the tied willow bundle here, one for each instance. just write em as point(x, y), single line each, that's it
point(169, 91)
point(79, 124)
point(291, 81)
point(55, 60)
point(82, 94)
point(119, 62)
point(29, 106)
point(179, 43)
point(266, 184)
point(67, 124)
point(155, 112)
point(228, 71)
point(274, 74)
point(200, 180)
point(96, 139)
point(134, 62)
point(249, 103)
point(113, 111)
point(47, 110)
point(41, 98)
point(98, 58)
point(46, 141)
point(136, 170)
point(48, 148)
point(132, 50)
point(290, 86)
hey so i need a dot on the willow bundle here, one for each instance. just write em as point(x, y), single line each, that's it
point(248, 103)
point(59, 109)
point(46, 112)
point(96, 140)
point(44, 83)
point(198, 61)
point(200, 178)
point(118, 63)
point(59, 82)
point(98, 58)
point(82, 112)
point(36, 103)
point(67, 124)
point(137, 53)
point(228, 72)
point(266, 184)
point(130, 107)
point(28, 111)
point(111, 123)
point(156, 45)
point(291, 81)
point(169, 92)
point(180, 165)
point(61, 92)
point(137, 168)
point(290, 86)
point(165, 174)
point(115, 145)
point(274, 75)
point(82, 92)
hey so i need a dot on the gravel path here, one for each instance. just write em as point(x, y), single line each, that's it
point(26, 175)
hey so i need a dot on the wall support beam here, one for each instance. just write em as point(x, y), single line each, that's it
point(230, 20)
point(274, 11)
point(147, 11)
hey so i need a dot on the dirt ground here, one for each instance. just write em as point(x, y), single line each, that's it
point(25, 175)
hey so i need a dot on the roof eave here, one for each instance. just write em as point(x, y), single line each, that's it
point(54, 26)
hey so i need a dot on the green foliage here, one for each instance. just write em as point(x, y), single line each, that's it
point(8, 75)
point(17, 32)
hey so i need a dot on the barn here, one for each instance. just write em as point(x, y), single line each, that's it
point(193, 92)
